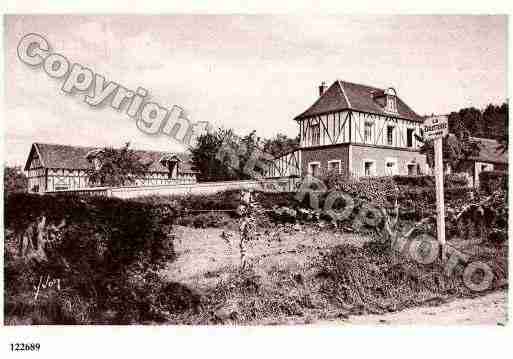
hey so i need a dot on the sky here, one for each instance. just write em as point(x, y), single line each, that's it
point(243, 72)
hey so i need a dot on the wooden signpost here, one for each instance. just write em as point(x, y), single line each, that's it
point(435, 129)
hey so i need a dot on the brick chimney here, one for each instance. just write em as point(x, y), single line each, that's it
point(322, 88)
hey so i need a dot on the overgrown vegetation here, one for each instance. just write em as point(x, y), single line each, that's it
point(491, 122)
point(491, 181)
point(105, 253)
point(116, 167)
point(344, 280)
point(378, 277)
point(221, 155)
point(109, 253)
point(15, 180)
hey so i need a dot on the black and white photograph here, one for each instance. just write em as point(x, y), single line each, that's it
point(255, 170)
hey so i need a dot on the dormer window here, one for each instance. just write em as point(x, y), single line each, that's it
point(94, 156)
point(171, 163)
point(391, 100)
point(97, 164)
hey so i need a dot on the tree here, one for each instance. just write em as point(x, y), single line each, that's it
point(222, 156)
point(503, 135)
point(472, 121)
point(457, 148)
point(281, 144)
point(209, 159)
point(116, 167)
point(15, 180)
point(492, 122)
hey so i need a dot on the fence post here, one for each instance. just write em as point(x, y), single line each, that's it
point(245, 222)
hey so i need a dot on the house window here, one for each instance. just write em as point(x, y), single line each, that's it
point(314, 168)
point(315, 133)
point(334, 166)
point(369, 168)
point(412, 169)
point(390, 166)
point(409, 137)
point(368, 132)
point(390, 135)
point(487, 167)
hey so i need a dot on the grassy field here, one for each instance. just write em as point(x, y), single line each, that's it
point(205, 259)
point(203, 256)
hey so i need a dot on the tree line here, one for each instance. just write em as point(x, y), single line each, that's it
point(491, 122)
point(465, 127)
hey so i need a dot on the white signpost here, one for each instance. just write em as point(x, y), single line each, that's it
point(436, 128)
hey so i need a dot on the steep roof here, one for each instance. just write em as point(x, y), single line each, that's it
point(343, 95)
point(74, 157)
point(489, 151)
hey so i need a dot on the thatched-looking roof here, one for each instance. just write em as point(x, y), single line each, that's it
point(80, 158)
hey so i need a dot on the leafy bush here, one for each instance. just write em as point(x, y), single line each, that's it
point(456, 180)
point(428, 195)
point(204, 220)
point(15, 180)
point(284, 215)
point(281, 199)
point(379, 191)
point(491, 181)
point(107, 254)
point(225, 200)
point(450, 180)
point(340, 281)
point(414, 181)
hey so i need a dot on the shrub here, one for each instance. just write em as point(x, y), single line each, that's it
point(204, 220)
point(380, 191)
point(428, 195)
point(450, 180)
point(15, 180)
point(215, 201)
point(491, 181)
point(456, 180)
point(106, 254)
point(414, 181)
point(284, 215)
point(281, 199)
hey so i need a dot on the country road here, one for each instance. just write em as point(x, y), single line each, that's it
point(490, 309)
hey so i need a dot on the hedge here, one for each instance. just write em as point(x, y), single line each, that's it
point(450, 180)
point(107, 256)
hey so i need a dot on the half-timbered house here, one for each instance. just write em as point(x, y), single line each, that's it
point(52, 167)
point(355, 130)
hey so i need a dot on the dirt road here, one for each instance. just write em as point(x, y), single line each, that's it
point(490, 309)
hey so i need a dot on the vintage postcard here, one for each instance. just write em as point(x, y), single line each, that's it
point(255, 170)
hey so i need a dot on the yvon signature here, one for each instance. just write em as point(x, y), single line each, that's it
point(44, 284)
